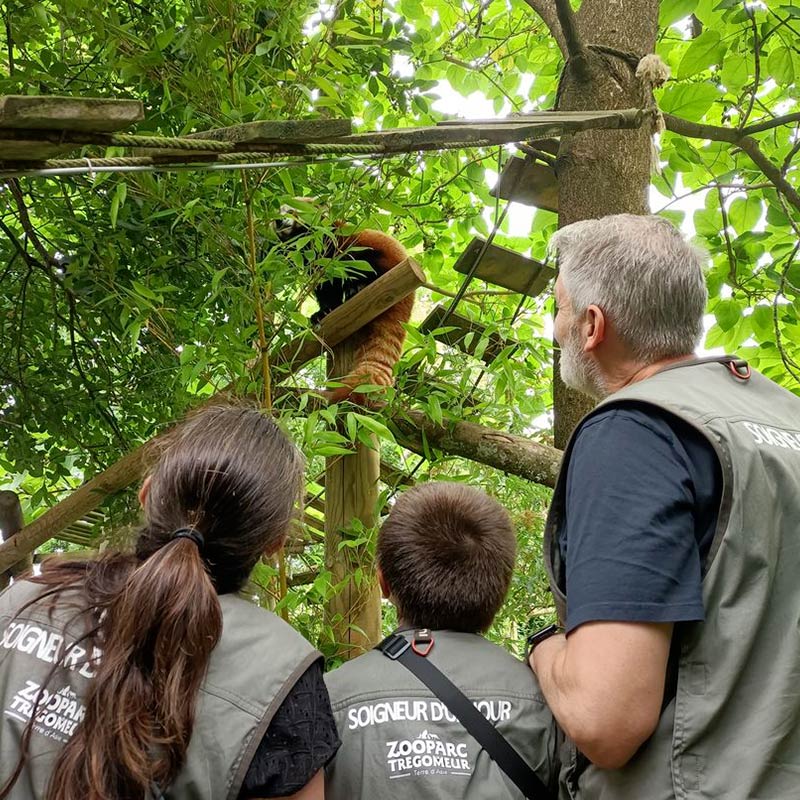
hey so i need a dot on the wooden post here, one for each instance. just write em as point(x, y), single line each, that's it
point(10, 522)
point(351, 493)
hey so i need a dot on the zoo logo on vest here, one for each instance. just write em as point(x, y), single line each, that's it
point(57, 713)
point(426, 755)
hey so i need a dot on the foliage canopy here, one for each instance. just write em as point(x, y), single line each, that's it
point(128, 298)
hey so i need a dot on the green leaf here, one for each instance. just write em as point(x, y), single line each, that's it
point(689, 101)
point(780, 65)
point(744, 213)
point(727, 313)
point(674, 10)
point(735, 71)
point(704, 51)
point(762, 321)
point(707, 223)
point(144, 291)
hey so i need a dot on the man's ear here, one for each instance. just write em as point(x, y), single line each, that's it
point(144, 491)
point(595, 328)
point(386, 592)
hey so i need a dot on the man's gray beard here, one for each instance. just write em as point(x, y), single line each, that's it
point(578, 371)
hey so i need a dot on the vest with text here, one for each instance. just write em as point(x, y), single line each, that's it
point(732, 729)
point(257, 661)
point(400, 741)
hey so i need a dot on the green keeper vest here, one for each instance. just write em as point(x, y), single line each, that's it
point(400, 742)
point(257, 661)
point(732, 729)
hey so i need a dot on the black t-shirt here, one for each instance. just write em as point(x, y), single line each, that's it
point(301, 739)
point(643, 496)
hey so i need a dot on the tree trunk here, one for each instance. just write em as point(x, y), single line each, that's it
point(11, 522)
point(603, 171)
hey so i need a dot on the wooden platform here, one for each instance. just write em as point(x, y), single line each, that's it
point(526, 181)
point(24, 120)
point(33, 129)
point(507, 268)
point(463, 333)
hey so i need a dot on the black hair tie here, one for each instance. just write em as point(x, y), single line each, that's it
point(190, 533)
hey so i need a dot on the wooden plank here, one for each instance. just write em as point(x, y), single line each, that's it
point(294, 131)
point(317, 503)
point(526, 181)
point(353, 315)
point(21, 116)
point(351, 494)
point(626, 115)
point(53, 112)
point(30, 150)
point(410, 139)
point(507, 268)
point(84, 499)
point(465, 334)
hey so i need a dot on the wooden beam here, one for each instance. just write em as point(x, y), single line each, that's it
point(84, 499)
point(11, 522)
point(264, 134)
point(505, 267)
point(351, 495)
point(53, 112)
point(624, 117)
point(463, 333)
point(351, 316)
point(279, 131)
point(21, 113)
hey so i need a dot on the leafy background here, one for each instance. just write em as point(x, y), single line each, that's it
point(128, 298)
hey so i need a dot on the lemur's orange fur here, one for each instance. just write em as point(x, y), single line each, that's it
point(383, 339)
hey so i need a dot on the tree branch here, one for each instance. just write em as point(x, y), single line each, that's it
point(768, 124)
point(577, 50)
point(744, 142)
point(757, 55)
point(546, 9)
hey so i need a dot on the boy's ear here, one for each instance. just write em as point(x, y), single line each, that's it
point(144, 491)
point(386, 591)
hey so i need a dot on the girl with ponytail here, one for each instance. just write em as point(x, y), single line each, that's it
point(141, 676)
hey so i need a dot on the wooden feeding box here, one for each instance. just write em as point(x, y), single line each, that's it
point(462, 333)
point(504, 267)
point(526, 181)
point(32, 128)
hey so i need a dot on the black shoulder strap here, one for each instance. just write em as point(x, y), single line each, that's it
point(398, 648)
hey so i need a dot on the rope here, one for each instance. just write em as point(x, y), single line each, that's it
point(173, 142)
point(237, 158)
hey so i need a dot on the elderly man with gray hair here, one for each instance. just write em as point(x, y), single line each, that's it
point(673, 540)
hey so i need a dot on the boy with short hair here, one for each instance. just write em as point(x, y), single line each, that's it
point(445, 559)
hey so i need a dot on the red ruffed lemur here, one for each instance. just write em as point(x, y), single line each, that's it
point(382, 343)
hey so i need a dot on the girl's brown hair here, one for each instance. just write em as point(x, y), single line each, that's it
point(230, 474)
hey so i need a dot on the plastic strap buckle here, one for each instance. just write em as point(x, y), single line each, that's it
point(394, 646)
